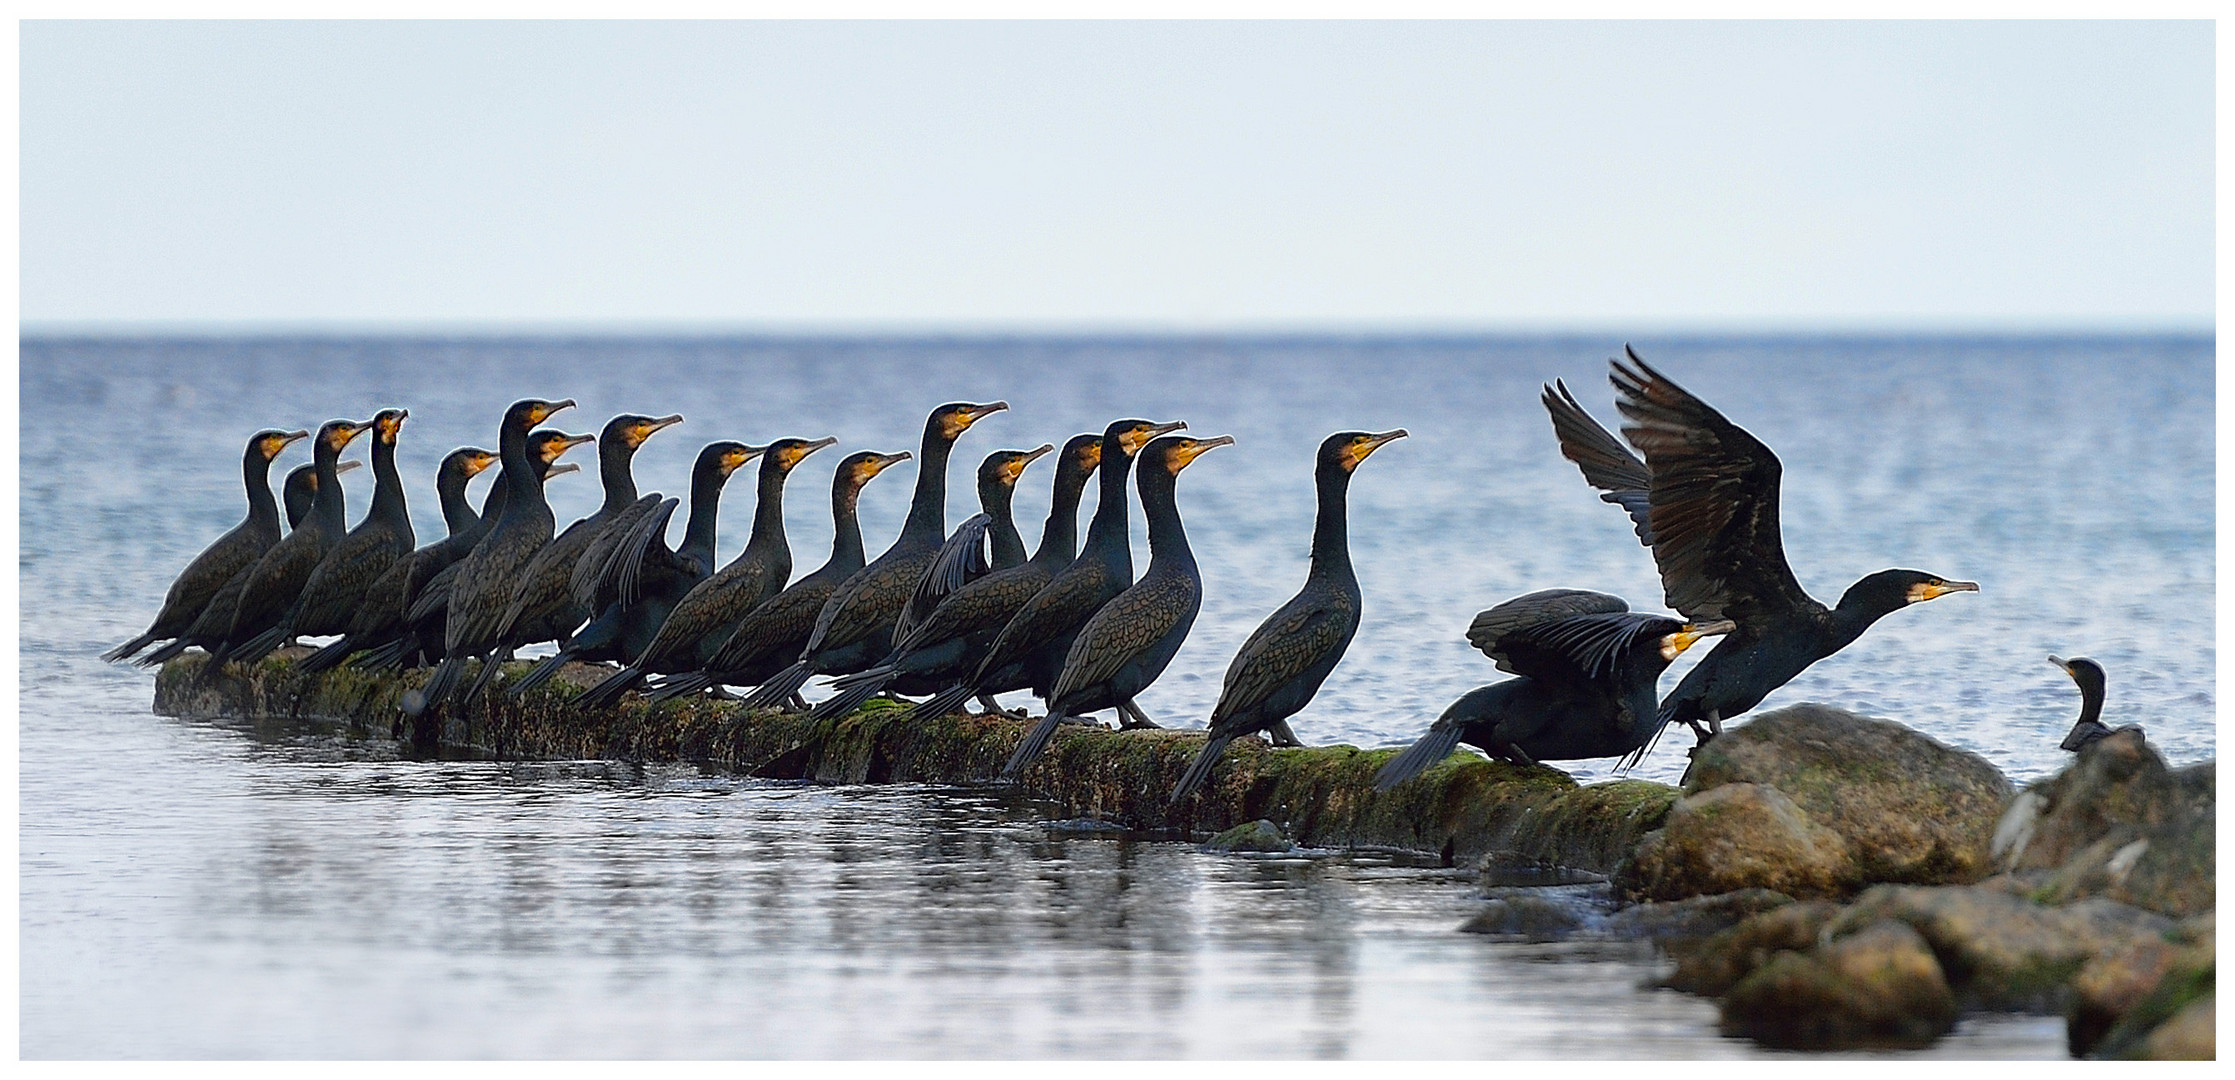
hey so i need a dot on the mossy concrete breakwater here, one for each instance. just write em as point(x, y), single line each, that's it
point(1467, 811)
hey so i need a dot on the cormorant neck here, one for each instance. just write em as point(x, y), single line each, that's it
point(450, 490)
point(1008, 547)
point(614, 457)
point(1106, 535)
point(388, 487)
point(1331, 533)
point(256, 476)
point(326, 506)
point(768, 513)
point(845, 536)
point(927, 515)
point(1853, 616)
point(523, 487)
point(492, 508)
point(1059, 538)
point(2091, 704)
point(1160, 505)
point(706, 502)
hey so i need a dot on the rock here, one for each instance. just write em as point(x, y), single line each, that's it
point(1911, 809)
point(1714, 965)
point(2188, 1036)
point(2003, 951)
point(1737, 836)
point(2117, 823)
point(2173, 1023)
point(1260, 835)
point(1879, 987)
point(2113, 985)
point(1526, 915)
point(1698, 917)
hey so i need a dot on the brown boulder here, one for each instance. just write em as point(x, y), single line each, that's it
point(1910, 808)
point(2002, 950)
point(1736, 836)
point(2117, 823)
point(1878, 987)
point(1712, 966)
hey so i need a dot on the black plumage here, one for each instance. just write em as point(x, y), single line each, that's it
point(2088, 676)
point(1588, 667)
point(706, 615)
point(963, 561)
point(1704, 498)
point(280, 574)
point(638, 579)
point(1285, 659)
point(337, 586)
point(380, 614)
point(1129, 641)
point(296, 494)
point(1028, 651)
point(769, 638)
point(228, 555)
point(854, 628)
point(484, 579)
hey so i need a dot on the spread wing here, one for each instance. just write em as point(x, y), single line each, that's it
point(1580, 646)
point(1606, 463)
point(1491, 628)
point(1714, 502)
point(960, 561)
point(583, 580)
point(622, 576)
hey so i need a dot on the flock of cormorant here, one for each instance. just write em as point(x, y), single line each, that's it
point(970, 615)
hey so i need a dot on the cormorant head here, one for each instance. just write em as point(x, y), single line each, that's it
point(1173, 453)
point(628, 430)
point(1132, 435)
point(387, 422)
point(547, 446)
point(1892, 590)
point(863, 466)
point(528, 412)
point(2085, 672)
point(473, 460)
point(268, 444)
point(1002, 468)
point(785, 454)
point(1673, 645)
point(1345, 449)
point(948, 422)
point(333, 435)
point(721, 458)
point(1081, 454)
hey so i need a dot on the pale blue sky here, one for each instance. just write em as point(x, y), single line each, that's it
point(1119, 175)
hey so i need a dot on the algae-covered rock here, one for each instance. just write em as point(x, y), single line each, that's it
point(1259, 836)
point(2116, 984)
point(1880, 986)
point(1528, 915)
point(1714, 965)
point(1698, 917)
point(2001, 950)
point(2174, 1023)
point(2117, 823)
point(1910, 808)
point(1737, 836)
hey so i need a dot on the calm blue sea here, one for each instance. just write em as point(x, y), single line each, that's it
point(191, 889)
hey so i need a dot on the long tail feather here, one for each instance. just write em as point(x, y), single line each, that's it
point(128, 648)
point(489, 669)
point(851, 696)
point(1199, 769)
point(541, 673)
point(163, 655)
point(779, 688)
point(1431, 748)
point(1035, 741)
point(328, 657)
point(444, 680)
point(609, 691)
point(386, 657)
point(258, 647)
point(690, 682)
point(944, 703)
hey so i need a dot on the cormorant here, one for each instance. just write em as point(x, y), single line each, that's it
point(226, 556)
point(1285, 659)
point(641, 579)
point(1705, 500)
point(1125, 646)
point(1589, 667)
point(483, 586)
point(427, 605)
point(297, 492)
point(1029, 650)
point(960, 565)
point(380, 614)
point(770, 637)
point(854, 628)
point(2089, 727)
point(338, 584)
point(543, 606)
point(278, 577)
point(706, 616)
